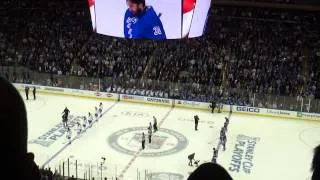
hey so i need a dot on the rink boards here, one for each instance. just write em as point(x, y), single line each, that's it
point(171, 102)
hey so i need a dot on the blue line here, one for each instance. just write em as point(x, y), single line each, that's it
point(76, 137)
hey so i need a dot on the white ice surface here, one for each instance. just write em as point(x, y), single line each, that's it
point(284, 150)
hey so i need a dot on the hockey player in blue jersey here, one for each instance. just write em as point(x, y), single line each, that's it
point(142, 22)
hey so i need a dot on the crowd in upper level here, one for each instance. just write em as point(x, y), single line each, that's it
point(245, 51)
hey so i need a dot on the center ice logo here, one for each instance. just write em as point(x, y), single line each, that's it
point(157, 141)
point(165, 176)
point(164, 142)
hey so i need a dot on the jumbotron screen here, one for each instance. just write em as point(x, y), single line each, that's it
point(150, 19)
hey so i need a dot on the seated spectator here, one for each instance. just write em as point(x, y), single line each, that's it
point(17, 163)
point(210, 171)
point(316, 164)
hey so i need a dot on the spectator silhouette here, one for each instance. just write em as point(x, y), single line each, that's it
point(17, 163)
point(210, 171)
point(316, 164)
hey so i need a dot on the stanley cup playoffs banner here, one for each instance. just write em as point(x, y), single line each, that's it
point(150, 19)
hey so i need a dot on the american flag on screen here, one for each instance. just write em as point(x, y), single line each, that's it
point(93, 14)
point(188, 10)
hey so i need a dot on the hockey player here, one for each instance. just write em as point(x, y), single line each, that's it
point(222, 132)
point(143, 141)
point(69, 134)
point(65, 120)
point(142, 22)
point(155, 124)
point(100, 109)
point(90, 119)
point(26, 89)
point(96, 113)
point(149, 135)
point(220, 106)
point(191, 158)
point(34, 93)
point(227, 121)
point(66, 112)
point(223, 140)
point(215, 155)
point(79, 128)
point(150, 126)
point(196, 121)
point(221, 137)
point(213, 106)
point(225, 126)
point(65, 117)
point(84, 124)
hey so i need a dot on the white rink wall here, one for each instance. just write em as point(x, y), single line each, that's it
point(173, 103)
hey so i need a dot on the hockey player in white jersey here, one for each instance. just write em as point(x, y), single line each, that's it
point(150, 126)
point(69, 134)
point(84, 124)
point(96, 113)
point(90, 119)
point(79, 128)
point(100, 109)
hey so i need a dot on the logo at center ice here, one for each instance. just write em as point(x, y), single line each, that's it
point(164, 142)
point(165, 176)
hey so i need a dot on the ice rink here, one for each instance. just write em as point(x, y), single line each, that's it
point(258, 148)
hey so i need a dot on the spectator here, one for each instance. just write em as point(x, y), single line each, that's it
point(316, 164)
point(17, 164)
point(210, 171)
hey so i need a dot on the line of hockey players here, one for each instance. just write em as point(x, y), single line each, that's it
point(150, 132)
point(222, 140)
point(87, 121)
point(223, 134)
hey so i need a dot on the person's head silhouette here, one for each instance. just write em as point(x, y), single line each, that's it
point(17, 163)
point(210, 171)
point(316, 164)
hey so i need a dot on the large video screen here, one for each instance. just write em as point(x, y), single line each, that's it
point(150, 19)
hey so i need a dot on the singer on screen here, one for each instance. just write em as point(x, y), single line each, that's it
point(142, 22)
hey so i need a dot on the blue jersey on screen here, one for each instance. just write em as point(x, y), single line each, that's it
point(146, 25)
